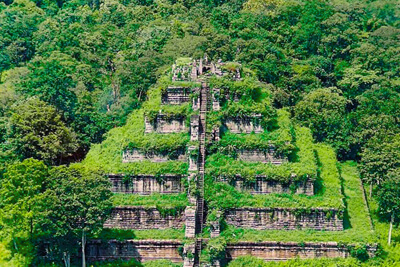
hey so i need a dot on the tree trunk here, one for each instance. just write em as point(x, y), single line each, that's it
point(15, 244)
point(370, 190)
point(83, 248)
point(390, 229)
point(67, 259)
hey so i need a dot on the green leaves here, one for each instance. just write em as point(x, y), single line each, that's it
point(37, 130)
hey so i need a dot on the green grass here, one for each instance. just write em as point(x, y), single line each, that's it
point(107, 156)
point(121, 234)
point(358, 230)
point(134, 263)
point(222, 196)
point(254, 262)
point(281, 138)
point(153, 200)
point(304, 166)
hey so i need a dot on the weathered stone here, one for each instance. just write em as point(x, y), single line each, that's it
point(164, 125)
point(216, 93)
point(196, 103)
point(190, 214)
point(141, 250)
point(146, 250)
point(134, 155)
point(264, 186)
point(284, 219)
point(215, 227)
point(243, 125)
point(277, 251)
point(259, 156)
point(193, 161)
point(145, 184)
point(136, 217)
point(175, 95)
point(194, 127)
point(188, 255)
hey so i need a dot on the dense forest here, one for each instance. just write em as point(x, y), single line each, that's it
point(71, 70)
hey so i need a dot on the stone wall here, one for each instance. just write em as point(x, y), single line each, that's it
point(137, 217)
point(283, 219)
point(176, 95)
point(190, 216)
point(275, 251)
point(134, 155)
point(141, 250)
point(264, 186)
point(259, 156)
point(146, 250)
point(164, 125)
point(145, 184)
point(243, 125)
point(194, 127)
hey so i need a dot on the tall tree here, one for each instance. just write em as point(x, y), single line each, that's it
point(389, 199)
point(380, 156)
point(21, 198)
point(78, 201)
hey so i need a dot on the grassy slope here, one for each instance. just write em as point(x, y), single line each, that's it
point(107, 156)
point(120, 234)
point(359, 230)
point(224, 196)
point(153, 200)
point(359, 220)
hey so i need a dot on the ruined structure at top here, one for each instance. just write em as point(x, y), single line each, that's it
point(187, 69)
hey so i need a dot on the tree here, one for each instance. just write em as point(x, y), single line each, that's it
point(51, 79)
point(324, 112)
point(37, 130)
point(380, 156)
point(78, 202)
point(21, 198)
point(389, 199)
point(17, 24)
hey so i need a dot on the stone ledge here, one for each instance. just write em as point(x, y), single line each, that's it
point(264, 186)
point(145, 250)
point(176, 95)
point(141, 250)
point(141, 218)
point(277, 251)
point(244, 125)
point(284, 219)
point(145, 184)
point(165, 125)
point(257, 155)
point(135, 155)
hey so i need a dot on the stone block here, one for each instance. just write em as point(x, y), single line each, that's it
point(176, 95)
point(244, 125)
point(194, 127)
point(135, 155)
point(145, 184)
point(284, 219)
point(141, 250)
point(190, 215)
point(262, 185)
point(260, 156)
point(140, 218)
point(165, 125)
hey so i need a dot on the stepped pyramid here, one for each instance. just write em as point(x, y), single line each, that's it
point(208, 153)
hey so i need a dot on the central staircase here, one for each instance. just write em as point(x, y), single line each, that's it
point(200, 179)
